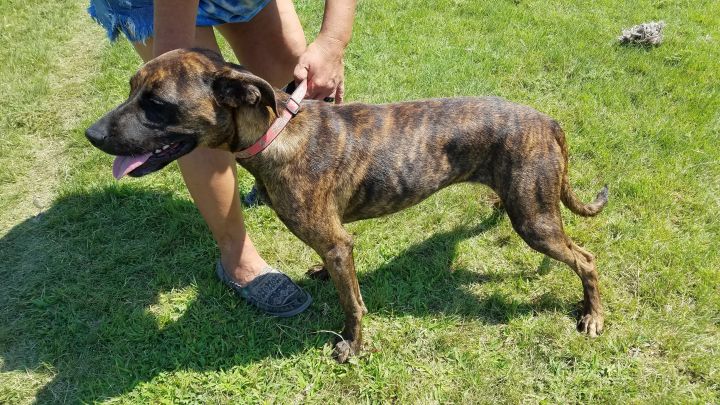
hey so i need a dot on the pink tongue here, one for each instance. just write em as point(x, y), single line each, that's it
point(125, 164)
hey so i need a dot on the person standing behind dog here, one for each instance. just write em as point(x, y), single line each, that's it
point(267, 38)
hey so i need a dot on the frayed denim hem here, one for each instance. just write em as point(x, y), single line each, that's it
point(137, 28)
point(134, 18)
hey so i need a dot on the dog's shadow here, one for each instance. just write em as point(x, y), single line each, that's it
point(423, 281)
point(82, 283)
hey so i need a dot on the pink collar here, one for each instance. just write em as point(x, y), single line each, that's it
point(291, 109)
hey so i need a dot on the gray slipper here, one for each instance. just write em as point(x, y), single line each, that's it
point(271, 291)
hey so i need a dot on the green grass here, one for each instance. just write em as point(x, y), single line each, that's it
point(107, 291)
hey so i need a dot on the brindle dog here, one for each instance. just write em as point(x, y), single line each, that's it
point(335, 164)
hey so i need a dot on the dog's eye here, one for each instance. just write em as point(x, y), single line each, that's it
point(157, 110)
point(156, 100)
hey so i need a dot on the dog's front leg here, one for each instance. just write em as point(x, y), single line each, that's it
point(341, 266)
point(324, 232)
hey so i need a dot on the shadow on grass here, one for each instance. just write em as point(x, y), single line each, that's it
point(422, 281)
point(81, 283)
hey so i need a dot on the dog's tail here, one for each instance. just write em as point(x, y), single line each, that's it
point(567, 196)
point(571, 201)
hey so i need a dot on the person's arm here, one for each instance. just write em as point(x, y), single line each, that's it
point(338, 21)
point(174, 25)
point(322, 62)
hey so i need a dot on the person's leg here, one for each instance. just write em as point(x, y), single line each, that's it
point(210, 176)
point(270, 44)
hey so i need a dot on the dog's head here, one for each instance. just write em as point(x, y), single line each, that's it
point(179, 101)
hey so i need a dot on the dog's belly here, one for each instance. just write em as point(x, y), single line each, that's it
point(388, 186)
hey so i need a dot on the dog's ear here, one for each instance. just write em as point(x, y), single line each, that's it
point(235, 87)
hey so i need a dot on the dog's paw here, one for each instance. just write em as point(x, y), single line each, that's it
point(343, 351)
point(497, 204)
point(318, 272)
point(591, 324)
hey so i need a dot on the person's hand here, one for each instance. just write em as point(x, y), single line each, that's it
point(322, 66)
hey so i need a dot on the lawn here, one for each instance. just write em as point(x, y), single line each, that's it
point(107, 289)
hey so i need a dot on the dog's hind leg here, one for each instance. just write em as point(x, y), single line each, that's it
point(544, 233)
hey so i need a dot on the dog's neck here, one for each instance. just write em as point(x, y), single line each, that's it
point(252, 123)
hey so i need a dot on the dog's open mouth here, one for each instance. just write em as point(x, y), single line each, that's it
point(140, 165)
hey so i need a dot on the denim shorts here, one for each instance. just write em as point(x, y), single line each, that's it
point(134, 18)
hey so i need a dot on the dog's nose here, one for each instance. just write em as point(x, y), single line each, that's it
point(95, 135)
